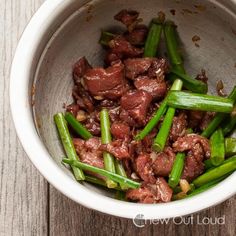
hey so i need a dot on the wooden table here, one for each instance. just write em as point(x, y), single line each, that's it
point(29, 205)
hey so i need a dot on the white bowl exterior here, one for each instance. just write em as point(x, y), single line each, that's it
point(34, 38)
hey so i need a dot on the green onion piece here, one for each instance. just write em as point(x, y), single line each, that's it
point(77, 126)
point(67, 143)
point(208, 164)
point(191, 84)
point(177, 170)
point(219, 118)
point(120, 171)
point(106, 37)
point(110, 175)
point(217, 172)
point(153, 38)
point(199, 102)
point(120, 196)
point(208, 185)
point(230, 146)
point(109, 162)
point(229, 125)
point(94, 180)
point(217, 144)
point(153, 122)
point(160, 140)
point(172, 43)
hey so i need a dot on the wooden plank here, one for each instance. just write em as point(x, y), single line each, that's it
point(69, 218)
point(23, 198)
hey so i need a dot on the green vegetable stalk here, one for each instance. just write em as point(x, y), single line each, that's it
point(67, 143)
point(217, 144)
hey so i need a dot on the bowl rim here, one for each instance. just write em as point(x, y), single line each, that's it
point(39, 156)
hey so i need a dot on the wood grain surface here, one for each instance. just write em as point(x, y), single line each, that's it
point(29, 205)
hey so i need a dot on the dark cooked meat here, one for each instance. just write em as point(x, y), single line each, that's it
point(195, 118)
point(127, 17)
point(73, 109)
point(123, 48)
point(158, 68)
point(192, 168)
point(89, 152)
point(138, 35)
point(156, 87)
point(163, 162)
point(82, 98)
point(207, 118)
point(118, 148)
point(144, 169)
point(135, 67)
point(79, 69)
point(106, 83)
point(151, 193)
point(189, 141)
point(136, 104)
point(148, 141)
point(92, 124)
point(120, 130)
point(179, 126)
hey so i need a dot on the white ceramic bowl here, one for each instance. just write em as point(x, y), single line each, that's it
point(63, 30)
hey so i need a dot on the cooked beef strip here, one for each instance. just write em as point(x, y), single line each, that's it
point(135, 67)
point(151, 193)
point(207, 118)
point(138, 35)
point(120, 130)
point(73, 108)
point(79, 69)
point(106, 83)
point(127, 17)
point(195, 118)
point(118, 148)
point(158, 68)
point(123, 49)
point(89, 152)
point(189, 141)
point(179, 126)
point(162, 165)
point(156, 87)
point(144, 169)
point(136, 104)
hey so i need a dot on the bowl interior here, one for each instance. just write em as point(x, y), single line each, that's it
point(78, 36)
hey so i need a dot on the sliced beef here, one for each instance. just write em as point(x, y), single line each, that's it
point(82, 98)
point(93, 124)
point(73, 108)
point(148, 141)
point(192, 168)
point(118, 148)
point(158, 68)
point(136, 104)
point(207, 118)
point(89, 152)
point(135, 67)
point(151, 193)
point(106, 83)
point(127, 17)
point(144, 169)
point(189, 141)
point(120, 130)
point(179, 126)
point(195, 118)
point(163, 162)
point(138, 35)
point(156, 87)
point(79, 69)
point(122, 49)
